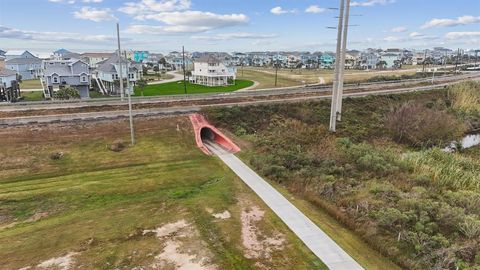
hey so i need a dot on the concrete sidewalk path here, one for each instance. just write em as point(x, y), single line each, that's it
point(314, 238)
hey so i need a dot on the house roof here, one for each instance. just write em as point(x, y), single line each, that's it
point(61, 51)
point(23, 61)
point(96, 54)
point(109, 64)
point(61, 69)
point(7, 72)
point(208, 59)
point(14, 52)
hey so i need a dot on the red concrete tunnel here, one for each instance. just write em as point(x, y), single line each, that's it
point(205, 131)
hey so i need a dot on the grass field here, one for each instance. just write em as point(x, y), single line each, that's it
point(30, 84)
point(177, 88)
point(32, 95)
point(295, 77)
point(98, 209)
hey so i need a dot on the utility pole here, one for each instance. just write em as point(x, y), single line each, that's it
point(424, 60)
point(276, 71)
point(120, 62)
point(132, 133)
point(184, 74)
point(476, 57)
point(333, 111)
point(342, 61)
point(456, 62)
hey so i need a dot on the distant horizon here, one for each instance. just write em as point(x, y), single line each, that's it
point(239, 25)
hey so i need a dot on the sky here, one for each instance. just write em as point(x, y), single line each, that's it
point(235, 25)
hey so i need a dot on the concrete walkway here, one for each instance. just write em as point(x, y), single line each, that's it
point(314, 238)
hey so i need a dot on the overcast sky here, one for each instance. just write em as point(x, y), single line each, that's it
point(234, 25)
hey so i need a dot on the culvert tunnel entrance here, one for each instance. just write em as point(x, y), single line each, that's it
point(209, 139)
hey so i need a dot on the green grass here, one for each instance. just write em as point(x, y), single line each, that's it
point(32, 95)
point(98, 202)
point(177, 88)
point(30, 84)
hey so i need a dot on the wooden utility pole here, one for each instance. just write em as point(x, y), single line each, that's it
point(342, 61)
point(184, 74)
point(120, 62)
point(424, 60)
point(456, 61)
point(333, 111)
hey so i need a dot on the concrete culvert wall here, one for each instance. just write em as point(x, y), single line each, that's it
point(205, 132)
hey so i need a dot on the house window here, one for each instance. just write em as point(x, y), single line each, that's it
point(113, 76)
point(84, 78)
point(55, 79)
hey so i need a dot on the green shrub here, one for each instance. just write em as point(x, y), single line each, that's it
point(66, 93)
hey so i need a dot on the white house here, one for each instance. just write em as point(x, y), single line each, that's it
point(94, 58)
point(210, 71)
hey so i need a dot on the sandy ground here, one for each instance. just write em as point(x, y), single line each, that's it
point(256, 243)
point(62, 263)
point(182, 249)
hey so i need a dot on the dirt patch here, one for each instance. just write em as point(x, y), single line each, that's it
point(257, 244)
point(62, 263)
point(37, 216)
point(183, 249)
point(223, 215)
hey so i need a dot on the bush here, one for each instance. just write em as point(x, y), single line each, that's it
point(66, 93)
point(420, 126)
point(117, 146)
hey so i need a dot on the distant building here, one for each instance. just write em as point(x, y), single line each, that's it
point(327, 60)
point(392, 60)
point(140, 56)
point(93, 58)
point(62, 73)
point(108, 73)
point(59, 54)
point(25, 64)
point(369, 60)
point(6, 77)
point(210, 71)
point(9, 89)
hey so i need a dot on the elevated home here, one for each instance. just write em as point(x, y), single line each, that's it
point(392, 60)
point(108, 73)
point(369, 60)
point(25, 64)
point(62, 73)
point(327, 60)
point(140, 56)
point(93, 58)
point(59, 54)
point(9, 89)
point(210, 71)
point(177, 63)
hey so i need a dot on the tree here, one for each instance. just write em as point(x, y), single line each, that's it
point(381, 65)
point(66, 93)
point(141, 84)
point(157, 69)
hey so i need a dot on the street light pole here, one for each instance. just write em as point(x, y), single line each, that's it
point(333, 111)
point(120, 62)
point(342, 61)
point(276, 71)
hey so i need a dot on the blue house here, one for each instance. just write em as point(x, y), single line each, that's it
point(139, 56)
point(26, 64)
point(326, 60)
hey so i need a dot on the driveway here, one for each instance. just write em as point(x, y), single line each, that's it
point(176, 77)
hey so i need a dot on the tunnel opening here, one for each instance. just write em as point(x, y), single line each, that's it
point(209, 138)
point(207, 134)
